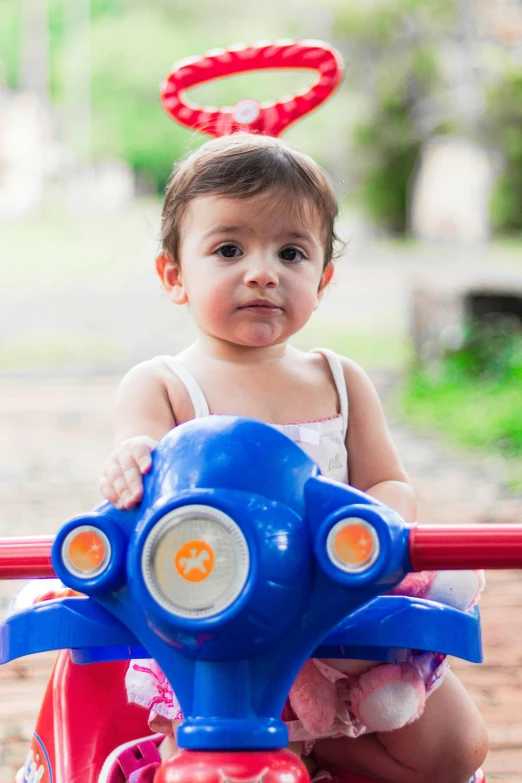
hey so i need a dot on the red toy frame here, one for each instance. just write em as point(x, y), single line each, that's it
point(270, 118)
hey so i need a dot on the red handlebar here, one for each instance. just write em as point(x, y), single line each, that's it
point(437, 547)
point(432, 547)
point(270, 118)
point(26, 558)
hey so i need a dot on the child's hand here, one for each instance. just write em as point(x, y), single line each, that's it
point(121, 481)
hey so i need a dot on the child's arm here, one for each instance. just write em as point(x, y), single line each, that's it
point(374, 465)
point(143, 414)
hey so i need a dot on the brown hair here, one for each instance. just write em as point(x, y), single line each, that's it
point(244, 165)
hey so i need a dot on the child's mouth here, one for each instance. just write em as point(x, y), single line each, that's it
point(261, 307)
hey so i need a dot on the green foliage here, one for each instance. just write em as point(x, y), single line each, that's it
point(104, 7)
point(474, 396)
point(505, 120)
point(473, 414)
point(392, 149)
point(491, 351)
point(369, 135)
point(131, 56)
point(10, 38)
point(396, 43)
point(383, 21)
point(132, 48)
point(390, 141)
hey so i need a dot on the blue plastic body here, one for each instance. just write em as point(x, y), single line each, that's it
point(232, 671)
point(388, 628)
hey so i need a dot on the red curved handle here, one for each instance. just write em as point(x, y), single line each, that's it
point(26, 558)
point(269, 118)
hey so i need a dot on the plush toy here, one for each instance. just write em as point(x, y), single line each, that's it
point(336, 697)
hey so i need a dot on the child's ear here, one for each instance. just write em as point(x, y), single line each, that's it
point(325, 278)
point(169, 274)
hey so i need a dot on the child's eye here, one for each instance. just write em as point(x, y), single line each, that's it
point(228, 251)
point(291, 254)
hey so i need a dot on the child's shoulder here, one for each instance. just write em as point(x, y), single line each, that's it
point(361, 390)
point(361, 393)
point(363, 399)
point(149, 373)
point(151, 382)
point(354, 374)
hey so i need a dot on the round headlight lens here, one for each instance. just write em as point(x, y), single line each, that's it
point(86, 551)
point(353, 545)
point(195, 561)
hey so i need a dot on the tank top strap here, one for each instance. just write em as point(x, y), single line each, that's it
point(197, 398)
point(336, 369)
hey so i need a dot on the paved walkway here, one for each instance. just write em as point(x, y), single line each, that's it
point(54, 438)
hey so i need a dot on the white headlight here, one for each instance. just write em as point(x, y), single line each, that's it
point(195, 561)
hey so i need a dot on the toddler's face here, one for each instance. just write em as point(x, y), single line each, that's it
point(250, 269)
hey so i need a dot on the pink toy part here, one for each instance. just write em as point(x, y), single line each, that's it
point(459, 589)
point(269, 118)
point(389, 697)
point(313, 698)
point(328, 700)
point(136, 761)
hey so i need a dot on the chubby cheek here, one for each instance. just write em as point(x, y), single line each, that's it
point(303, 303)
point(209, 304)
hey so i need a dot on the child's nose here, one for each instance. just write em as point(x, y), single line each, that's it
point(262, 272)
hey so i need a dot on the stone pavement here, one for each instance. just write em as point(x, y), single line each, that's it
point(54, 438)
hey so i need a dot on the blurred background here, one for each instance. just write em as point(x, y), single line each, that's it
point(423, 142)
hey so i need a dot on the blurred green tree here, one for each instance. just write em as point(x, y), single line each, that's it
point(133, 47)
point(393, 52)
point(505, 124)
point(394, 97)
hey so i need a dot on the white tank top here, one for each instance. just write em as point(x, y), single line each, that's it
point(324, 440)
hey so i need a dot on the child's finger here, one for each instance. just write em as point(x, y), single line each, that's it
point(108, 491)
point(127, 483)
point(141, 453)
point(119, 482)
point(132, 475)
point(114, 474)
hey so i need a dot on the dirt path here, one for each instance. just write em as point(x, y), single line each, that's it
point(54, 438)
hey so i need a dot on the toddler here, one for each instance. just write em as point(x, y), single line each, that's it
point(248, 243)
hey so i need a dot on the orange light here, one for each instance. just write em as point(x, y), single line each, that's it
point(194, 561)
point(87, 551)
point(354, 544)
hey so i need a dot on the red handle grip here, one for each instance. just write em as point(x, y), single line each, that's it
point(443, 547)
point(26, 558)
point(269, 118)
